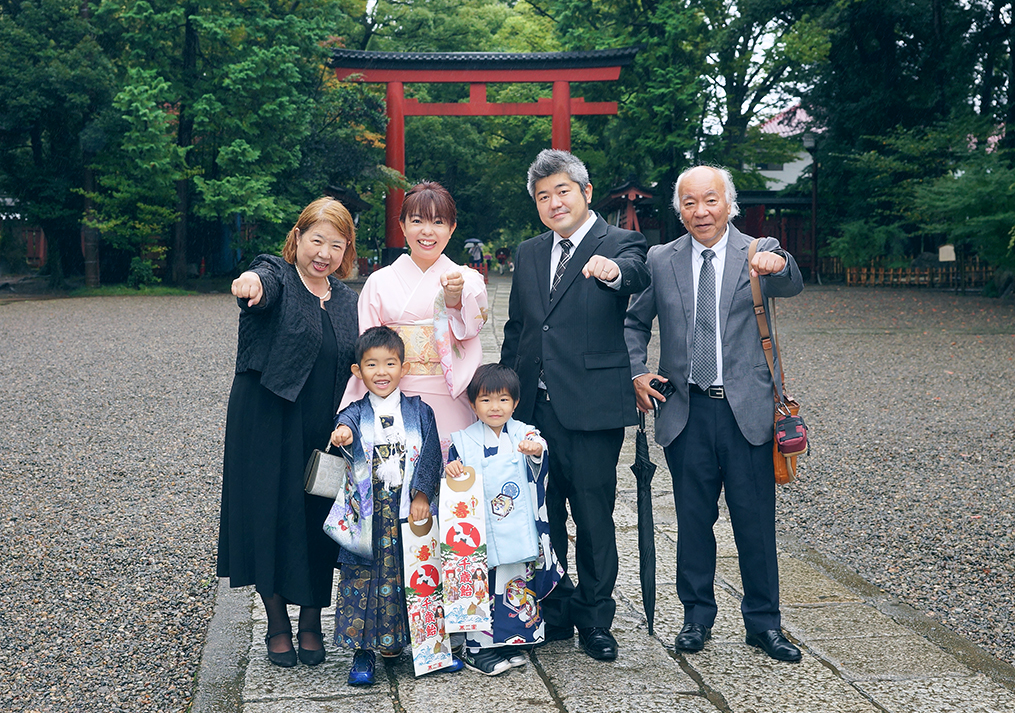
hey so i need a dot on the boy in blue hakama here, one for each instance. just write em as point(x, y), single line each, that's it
point(523, 569)
point(396, 448)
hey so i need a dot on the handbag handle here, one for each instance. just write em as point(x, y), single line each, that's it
point(345, 452)
point(769, 343)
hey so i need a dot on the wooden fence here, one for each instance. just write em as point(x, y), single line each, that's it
point(974, 274)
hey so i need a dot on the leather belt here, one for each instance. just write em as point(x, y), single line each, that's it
point(542, 395)
point(713, 392)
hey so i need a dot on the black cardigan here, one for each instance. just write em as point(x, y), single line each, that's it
point(280, 336)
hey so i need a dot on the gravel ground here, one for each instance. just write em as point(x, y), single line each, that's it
point(111, 419)
point(110, 456)
point(911, 476)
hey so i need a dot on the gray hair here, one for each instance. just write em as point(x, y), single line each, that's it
point(728, 188)
point(553, 161)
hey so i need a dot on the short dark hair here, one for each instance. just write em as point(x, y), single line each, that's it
point(550, 162)
point(430, 201)
point(492, 379)
point(380, 338)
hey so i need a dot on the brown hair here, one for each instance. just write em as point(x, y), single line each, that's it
point(331, 211)
point(429, 200)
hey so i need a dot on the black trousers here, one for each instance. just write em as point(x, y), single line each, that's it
point(711, 454)
point(583, 474)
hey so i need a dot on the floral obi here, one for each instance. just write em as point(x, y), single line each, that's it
point(420, 348)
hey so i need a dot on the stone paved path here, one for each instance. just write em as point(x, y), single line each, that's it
point(863, 652)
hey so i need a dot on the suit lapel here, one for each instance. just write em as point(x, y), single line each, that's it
point(736, 260)
point(683, 276)
point(543, 268)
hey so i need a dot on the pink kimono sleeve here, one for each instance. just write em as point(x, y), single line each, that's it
point(465, 323)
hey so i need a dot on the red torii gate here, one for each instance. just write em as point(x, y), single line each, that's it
point(395, 69)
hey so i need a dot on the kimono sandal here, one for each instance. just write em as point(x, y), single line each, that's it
point(285, 659)
point(310, 657)
point(392, 653)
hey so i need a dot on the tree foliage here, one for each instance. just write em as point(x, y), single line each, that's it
point(136, 202)
point(974, 206)
point(189, 114)
point(55, 80)
point(895, 103)
point(174, 121)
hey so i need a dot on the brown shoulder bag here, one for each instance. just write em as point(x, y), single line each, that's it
point(790, 430)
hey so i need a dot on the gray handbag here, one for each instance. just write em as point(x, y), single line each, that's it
point(325, 474)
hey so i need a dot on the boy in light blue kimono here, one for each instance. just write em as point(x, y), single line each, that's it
point(523, 569)
point(392, 442)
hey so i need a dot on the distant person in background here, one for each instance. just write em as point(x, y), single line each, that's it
point(297, 332)
point(503, 255)
point(475, 255)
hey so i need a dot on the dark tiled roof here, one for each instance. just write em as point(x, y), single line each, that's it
point(360, 59)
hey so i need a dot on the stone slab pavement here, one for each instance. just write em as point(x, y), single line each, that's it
point(864, 652)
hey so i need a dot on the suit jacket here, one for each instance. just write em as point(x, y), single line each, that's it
point(746, 377)
point(578, 340)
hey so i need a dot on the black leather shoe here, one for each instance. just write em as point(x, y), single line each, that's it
point(311, 657)
point(598, 643)
point(692, 637)
point(285, 659)
point(775, 644)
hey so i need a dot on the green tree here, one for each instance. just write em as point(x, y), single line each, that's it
point(755, 53)
point(136, 203)
point(894, 72)
point(249, 83)
point(56, 80)
point(973, 206)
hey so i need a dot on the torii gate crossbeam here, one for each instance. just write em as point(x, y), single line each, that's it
point(477, 69)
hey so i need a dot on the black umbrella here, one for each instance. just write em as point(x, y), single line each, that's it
point(644, 469)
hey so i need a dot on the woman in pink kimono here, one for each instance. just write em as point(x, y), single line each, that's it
point(436, 306)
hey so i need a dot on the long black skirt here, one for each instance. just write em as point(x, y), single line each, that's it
point(270, 531)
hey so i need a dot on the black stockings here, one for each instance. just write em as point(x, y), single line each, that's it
point(310, 628)
point(280, 631)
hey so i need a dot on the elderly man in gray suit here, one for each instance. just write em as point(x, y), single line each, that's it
point(716, 427)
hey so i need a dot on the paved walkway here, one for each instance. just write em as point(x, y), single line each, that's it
point(863, 651)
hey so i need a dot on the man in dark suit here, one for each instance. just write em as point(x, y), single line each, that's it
point(565, 338)
point(717, 427)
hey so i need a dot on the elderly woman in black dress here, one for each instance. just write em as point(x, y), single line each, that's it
point(297, 329)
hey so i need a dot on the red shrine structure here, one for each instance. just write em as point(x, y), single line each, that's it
point(477, 69)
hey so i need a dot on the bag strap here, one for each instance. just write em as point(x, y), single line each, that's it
point(769, 343)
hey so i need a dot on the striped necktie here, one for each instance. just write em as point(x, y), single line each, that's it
point(565, 255)
point(703, 363)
